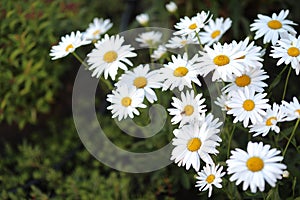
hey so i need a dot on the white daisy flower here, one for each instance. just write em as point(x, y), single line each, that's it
point(254, 167)
point(188, 109)
point(142, 19)
point(142, 79)
point(188, 26)
point(292, 109)
point(210, 176)
point(125, 101)
point(222, 60)
point(270, 120)
point(97, 28)
point(214, 30)
point(192, 143)
point(221, 101)
point(67, 45)
point(182, 41)
point(272, 27)
point(159, 52)
point(109, 55)
point(245, 106)
point(171, 7)
point(253, 79)
point(180, 72)
point(288, 50)
point(149, 39)
point(253, 54)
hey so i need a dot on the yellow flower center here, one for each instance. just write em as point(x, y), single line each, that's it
point(97, 32)
point(243, 80)
point(110, 56)
point(221, 60)
point(188, 110)
point(194, 144)
point(180, 71)
point(298, 111)
point(293, 52)
point(269, 121)
point(140, 82)
point(193, 26)
point(255, 164)
point(126, 101)
point(70, 46)
point(215, 34)
point(210, 178)
point(248, 105)
point(274, 24)
point(183, 42)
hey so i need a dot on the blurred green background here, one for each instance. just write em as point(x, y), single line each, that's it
point(41, 155)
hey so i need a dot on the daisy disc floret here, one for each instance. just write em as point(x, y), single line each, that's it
point(214, 30)
point(271, 28)
point(98, 27)
point(288, 50)
point(142, 79)
point(67, 45)
point(109, 55)
point(188, 109)
point(194, 142)
point(125, 101)
point(253, 167)
point(247, 106)
point(180, 72)
point(210, 176)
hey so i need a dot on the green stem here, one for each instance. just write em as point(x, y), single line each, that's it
point(286, 83)
point(80, 60)
point(275, 81)
point(291, 137)
point(230, 138)
point(198, 37)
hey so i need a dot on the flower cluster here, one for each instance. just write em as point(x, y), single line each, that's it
point(238, 65)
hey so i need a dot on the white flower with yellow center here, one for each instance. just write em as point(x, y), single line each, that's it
point(125, 101)
point(109, 55)
point(214, 30)
point(188, 109)
point(210, 176)
point(272, 27)
point(222, 60)
point(221, 101)
point(254, 167)
point(288, 50)
point(292, 109)
point(171, 7)
point(253, 54)
point(246, 105)
point(188, 26)
point(270, 120)
point(253, 79)
point(142, 79)
point(67, 45)
point(192, 143)
point(149, 39)
point(182, 41)
point(159, 53)
point(142, 19)
point(97, 28)
point(180, 72)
